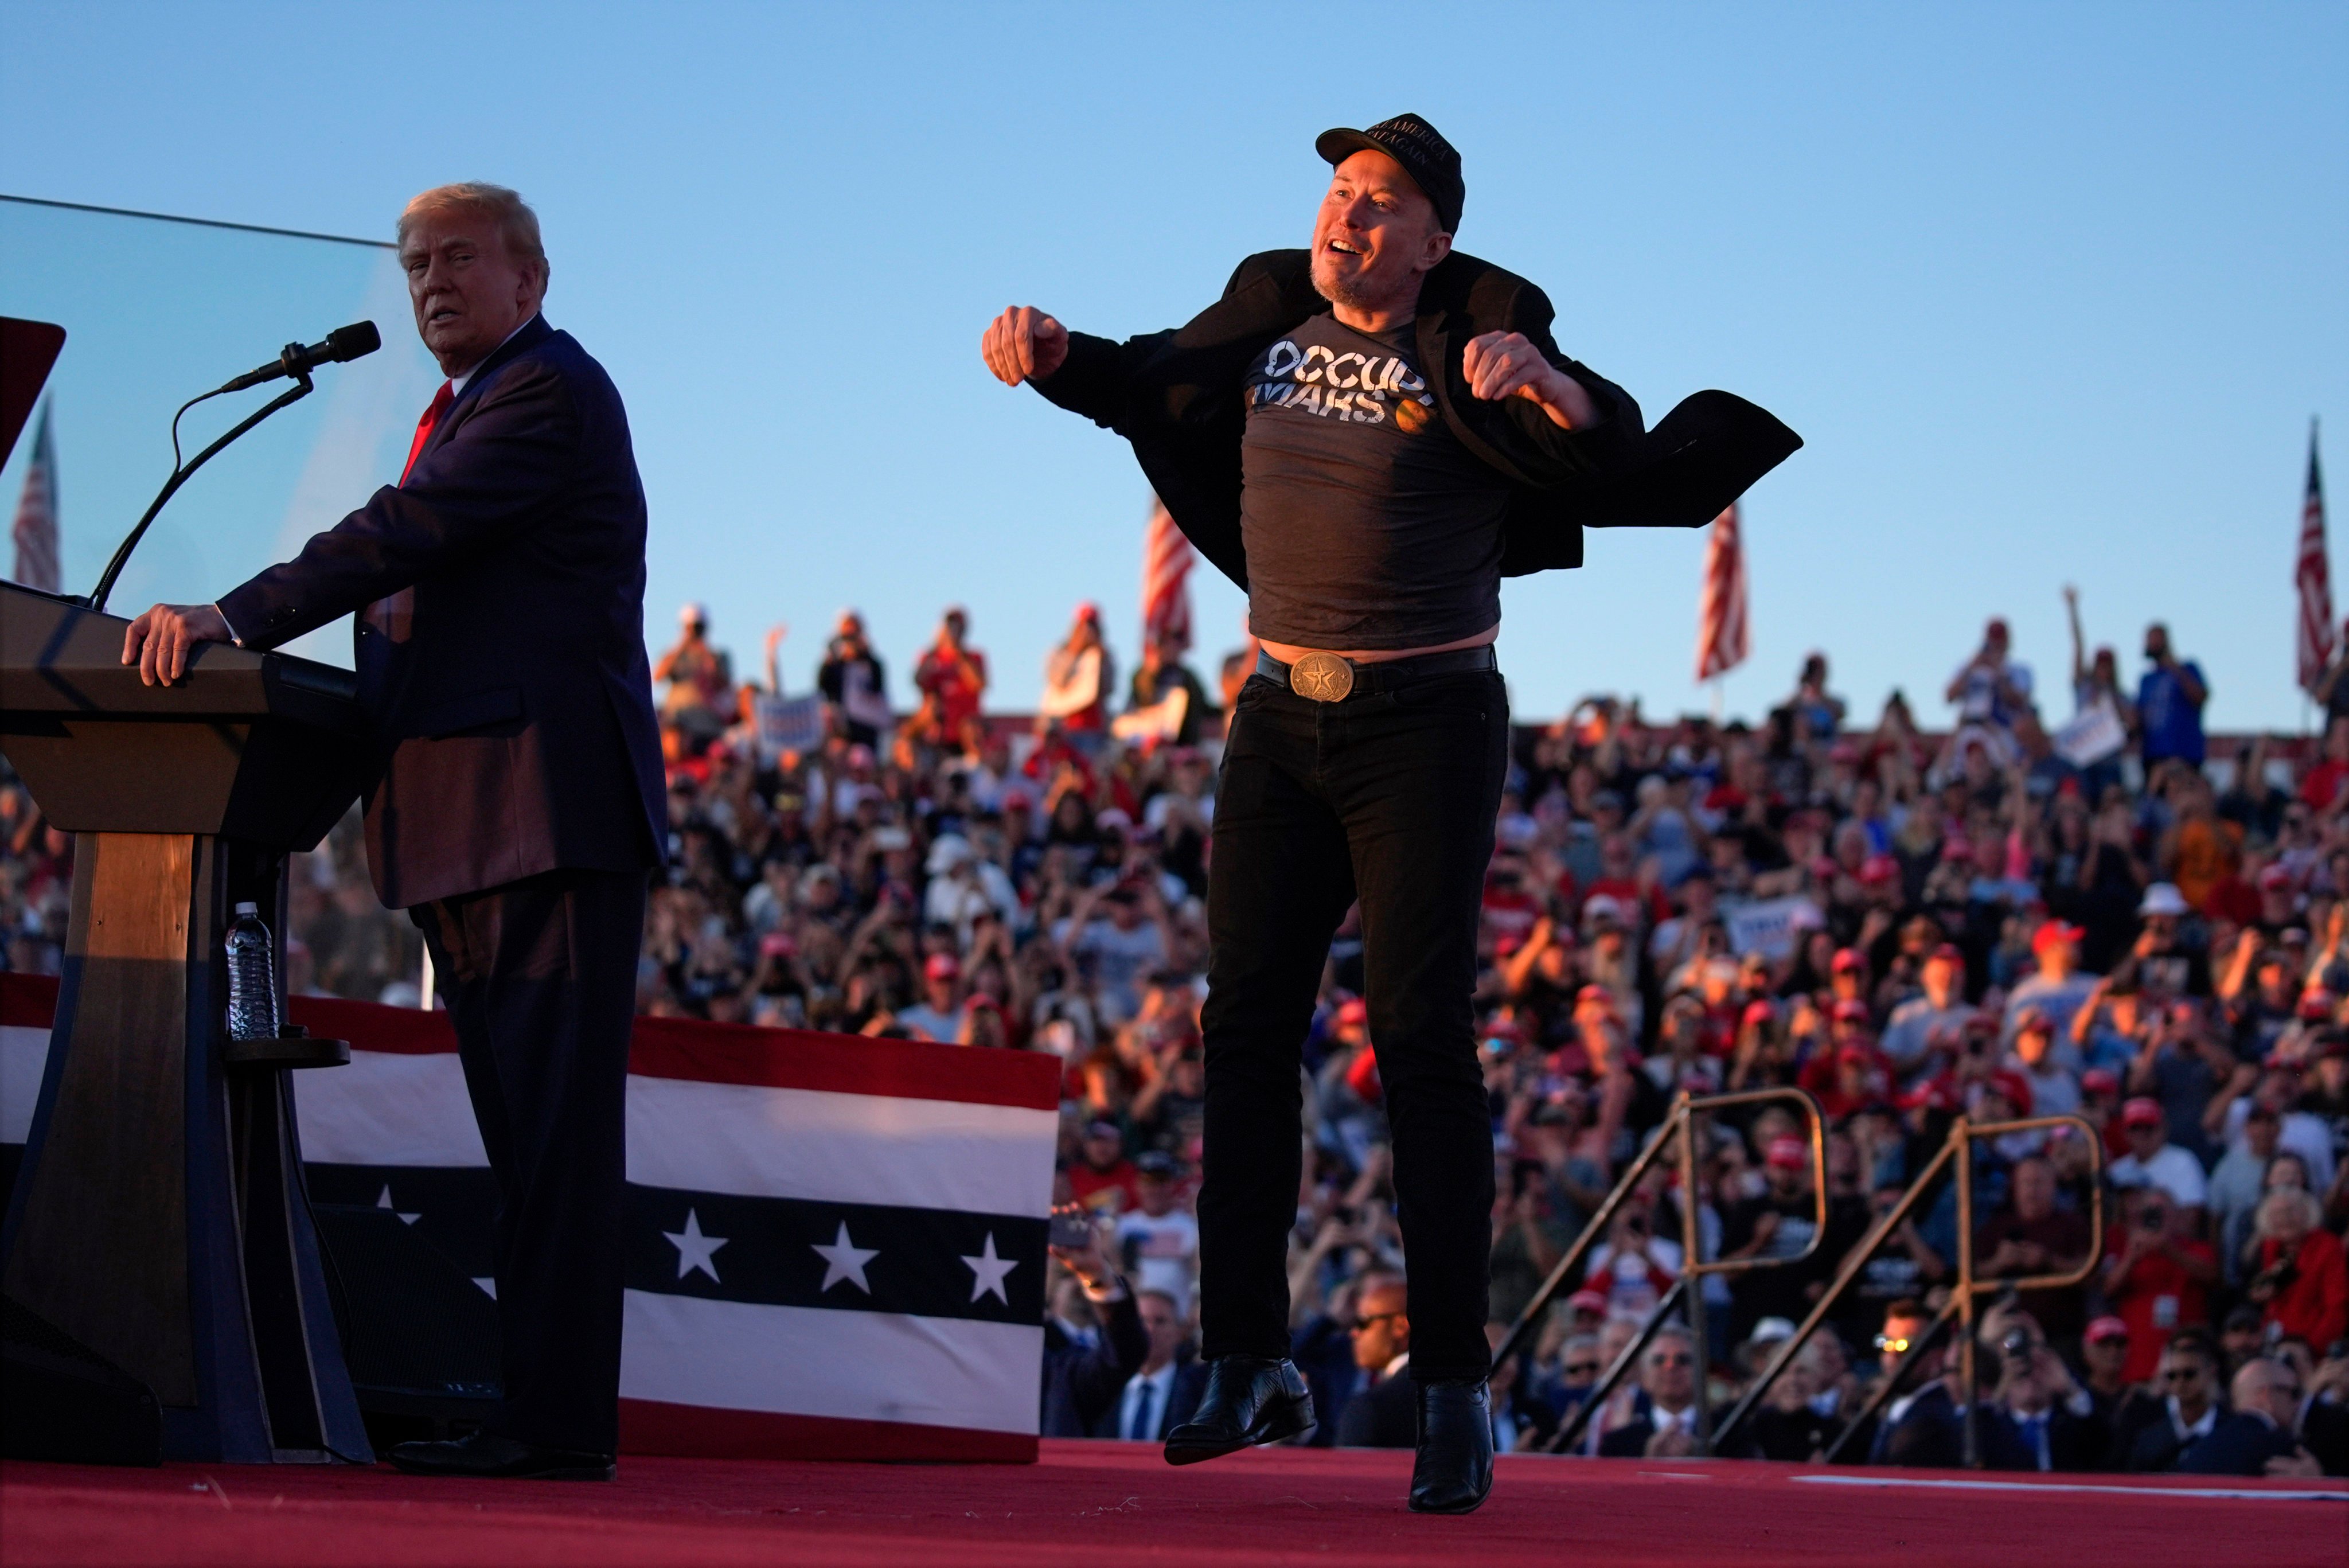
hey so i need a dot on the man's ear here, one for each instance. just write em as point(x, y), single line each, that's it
point(1439, 245)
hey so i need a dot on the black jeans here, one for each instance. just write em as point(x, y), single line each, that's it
point(1389, 798)
point(539, 976)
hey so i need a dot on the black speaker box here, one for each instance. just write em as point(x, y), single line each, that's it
point(61, 1400)
point(420, 1338)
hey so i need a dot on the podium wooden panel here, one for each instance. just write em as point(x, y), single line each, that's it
point(159, 1216)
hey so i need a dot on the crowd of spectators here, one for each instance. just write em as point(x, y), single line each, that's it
point(2099, 913)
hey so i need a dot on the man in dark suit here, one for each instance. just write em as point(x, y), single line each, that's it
point(2190, 1409)
point(2257, 1439)
point(1669, 1369)
point(1086, 1368)
point(2039, 1418)
point(1164, 1389)
point(518, 803)
point(1924, 1423)
point(1382, 1412)
point(1367, 437)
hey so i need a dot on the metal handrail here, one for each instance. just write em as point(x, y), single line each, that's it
point(1688, 1291)
point(1956, 1148)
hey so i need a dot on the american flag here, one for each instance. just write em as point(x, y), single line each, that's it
point(1721, 639)
point(2313, 578)
point(1165, 581)
point(36, 515)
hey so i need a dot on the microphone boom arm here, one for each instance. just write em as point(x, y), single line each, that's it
point(180, 475)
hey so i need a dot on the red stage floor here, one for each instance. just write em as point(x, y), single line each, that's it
point(1106, 1505)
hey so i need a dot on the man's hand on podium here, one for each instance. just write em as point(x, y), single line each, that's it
point(159, 642)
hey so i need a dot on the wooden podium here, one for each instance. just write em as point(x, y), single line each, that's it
point(159, 1217)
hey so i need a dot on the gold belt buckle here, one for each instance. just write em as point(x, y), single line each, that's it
point(1321, 678)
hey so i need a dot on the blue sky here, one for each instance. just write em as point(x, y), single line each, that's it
point(2051, 291)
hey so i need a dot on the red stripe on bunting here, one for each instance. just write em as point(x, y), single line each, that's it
point(697, 1431)
point(682, 1048)
point(844, 1064)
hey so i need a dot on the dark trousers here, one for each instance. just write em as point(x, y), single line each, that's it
point(539, 976)
point(1391, 799)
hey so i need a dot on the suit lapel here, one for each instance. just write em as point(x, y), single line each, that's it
point(532, 334)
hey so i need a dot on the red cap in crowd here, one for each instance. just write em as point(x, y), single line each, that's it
point(1787, 1154)
point(2014, 1089)
point(2143, 1113)
point(1587, 1301)
point(1879, 868)
point(2275, 878)
point(1848, 961)
point(2035, 1019)
point(2051, 933)
point(1597, 995)
point(2100, 1080)
point(1758, 1012)
point(1936, 1094)
point(1353, 1011)
point(1850, 1010)
point(2102, 1329)
point(1948, 952)
point(942, 966)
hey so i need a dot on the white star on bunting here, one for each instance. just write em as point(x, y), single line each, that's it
point(986, 1272)
point(844, 1260)
point(384, 1202)
point(694, 1249)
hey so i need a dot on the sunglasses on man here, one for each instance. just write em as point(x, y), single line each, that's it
point(1361, 1323)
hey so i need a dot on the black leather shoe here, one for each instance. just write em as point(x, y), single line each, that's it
point(1454, 1469)
point(1249, 1400)
point(485, 1457)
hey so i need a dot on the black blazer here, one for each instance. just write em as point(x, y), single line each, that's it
point(1382, 1415)
point(1183, 1394)
point(1929, 1433)
point(1630, 1441)
point(1082, 1380)
point(2074, 1442)
point(504, 667)
point(2239, 1445)
point(1177, 397)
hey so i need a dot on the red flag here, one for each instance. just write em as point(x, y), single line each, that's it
point(1165, 581)
point(36, 531)
point(2313, 578)
point(1721, 640)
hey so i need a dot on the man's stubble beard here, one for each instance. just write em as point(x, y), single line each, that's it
point(1348, 292)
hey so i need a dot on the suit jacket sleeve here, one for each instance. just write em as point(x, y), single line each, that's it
point(1188, 374)
point(492, 478)
point(1549, 454)
point(1098, 1376)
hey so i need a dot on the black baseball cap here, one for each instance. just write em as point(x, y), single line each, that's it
point(1432, 164)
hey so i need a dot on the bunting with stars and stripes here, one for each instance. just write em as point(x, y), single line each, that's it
point(834, 1246)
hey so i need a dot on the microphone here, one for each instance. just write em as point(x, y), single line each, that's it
point(342, 343)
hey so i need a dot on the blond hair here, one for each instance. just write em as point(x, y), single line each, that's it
point(517, 224)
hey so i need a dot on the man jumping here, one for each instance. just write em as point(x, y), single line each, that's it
point(1367, 437)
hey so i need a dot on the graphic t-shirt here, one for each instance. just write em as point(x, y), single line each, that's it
point(1367, 524)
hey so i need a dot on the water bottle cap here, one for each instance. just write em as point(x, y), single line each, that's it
point(248, 909)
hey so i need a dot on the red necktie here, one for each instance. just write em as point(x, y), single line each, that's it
point(424, 426)
point(394, 613)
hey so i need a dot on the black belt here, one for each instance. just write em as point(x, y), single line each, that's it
point(1326, 677)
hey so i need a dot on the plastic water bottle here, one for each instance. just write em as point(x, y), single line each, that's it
point(251, 977)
